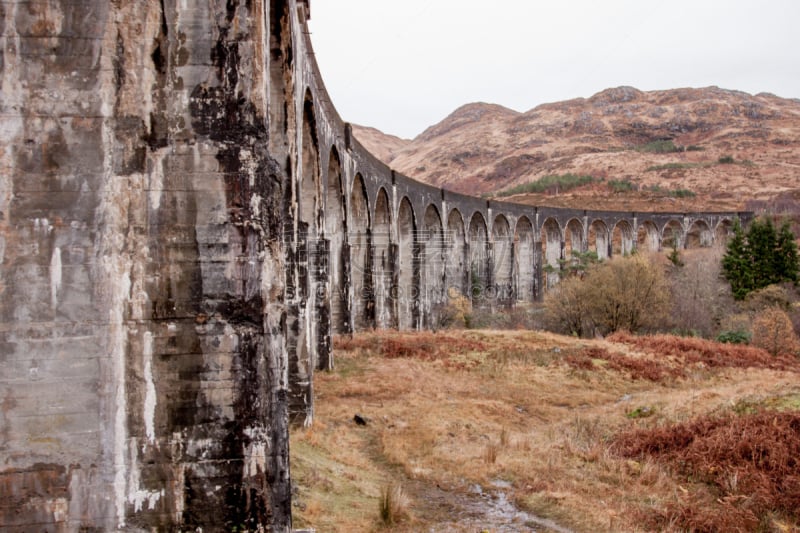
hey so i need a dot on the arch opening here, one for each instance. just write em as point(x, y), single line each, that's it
point(502, 260)
point(552, 252)
point(336, 231)
point(672, 235)
point(408, 269)
point(360, 258)
point(598, 239)
point(622, 238)
point(478, 257)
point(699, 235)
point(524, 261)
point(432, 283)
point(456, 258)
point(723, 232)
point(382, 260)
point(647, 237)
point(573, 241)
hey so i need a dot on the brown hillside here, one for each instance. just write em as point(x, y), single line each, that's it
point(381, 145)
point(485, 148)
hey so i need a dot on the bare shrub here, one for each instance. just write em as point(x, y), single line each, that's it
point(625, 293)
point(773, 331)
point(651, 370)
point(700, 297)
point(579, 361)
point(769, 296)
point(567, 308)
point(454, 313)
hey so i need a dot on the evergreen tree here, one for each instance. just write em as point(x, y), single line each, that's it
point(760, 257)
point(761, 243)
point(736, 264)
point(785, 258)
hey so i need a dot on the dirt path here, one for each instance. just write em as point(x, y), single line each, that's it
point(477, 510)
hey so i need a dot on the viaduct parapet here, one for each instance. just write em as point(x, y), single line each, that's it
point(185, 221)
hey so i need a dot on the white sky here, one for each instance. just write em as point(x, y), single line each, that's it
point(403, 65)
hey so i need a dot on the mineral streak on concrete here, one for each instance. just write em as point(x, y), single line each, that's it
point(184, 223)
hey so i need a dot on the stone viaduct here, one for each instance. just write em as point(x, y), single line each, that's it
point(185, 221)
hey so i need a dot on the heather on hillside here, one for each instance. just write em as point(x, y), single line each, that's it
point(551, 184)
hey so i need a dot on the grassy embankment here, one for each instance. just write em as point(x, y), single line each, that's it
point(622, 434)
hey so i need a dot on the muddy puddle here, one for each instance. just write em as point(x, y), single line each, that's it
point(477, 510)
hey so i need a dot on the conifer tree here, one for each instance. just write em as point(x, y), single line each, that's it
point(785, 258)
point(736, 264)
point(760, 257)
point(761, 244)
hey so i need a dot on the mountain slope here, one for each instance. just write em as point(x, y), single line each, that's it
point(723, 149)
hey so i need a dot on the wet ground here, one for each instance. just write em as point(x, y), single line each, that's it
point(479, 509)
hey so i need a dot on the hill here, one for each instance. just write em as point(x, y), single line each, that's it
point(707, 148)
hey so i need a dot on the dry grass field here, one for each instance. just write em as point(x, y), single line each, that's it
point(529, 431)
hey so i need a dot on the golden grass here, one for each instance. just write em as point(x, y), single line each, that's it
point(488, 407)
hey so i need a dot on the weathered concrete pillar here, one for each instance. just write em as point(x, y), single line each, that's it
point(142, 270)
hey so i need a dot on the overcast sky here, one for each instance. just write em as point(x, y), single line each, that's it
point(403, 65)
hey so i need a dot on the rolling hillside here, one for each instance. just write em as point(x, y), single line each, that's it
point(676, 149)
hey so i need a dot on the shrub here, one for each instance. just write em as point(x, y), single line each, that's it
point(621, 185)
point(734, 337)
point(551, 183)
point(641, 412)
point(626, 293)
point(659, 147)
point(700, 298)
point(773, 331)
point(672, 166)
point(567, 309)
point(769, 296)
point(726, 160)
point(682, 193)
point(673, 193)
point(453, 313)
point(709, 353)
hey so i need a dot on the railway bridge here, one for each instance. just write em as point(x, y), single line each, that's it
point(185, 220)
